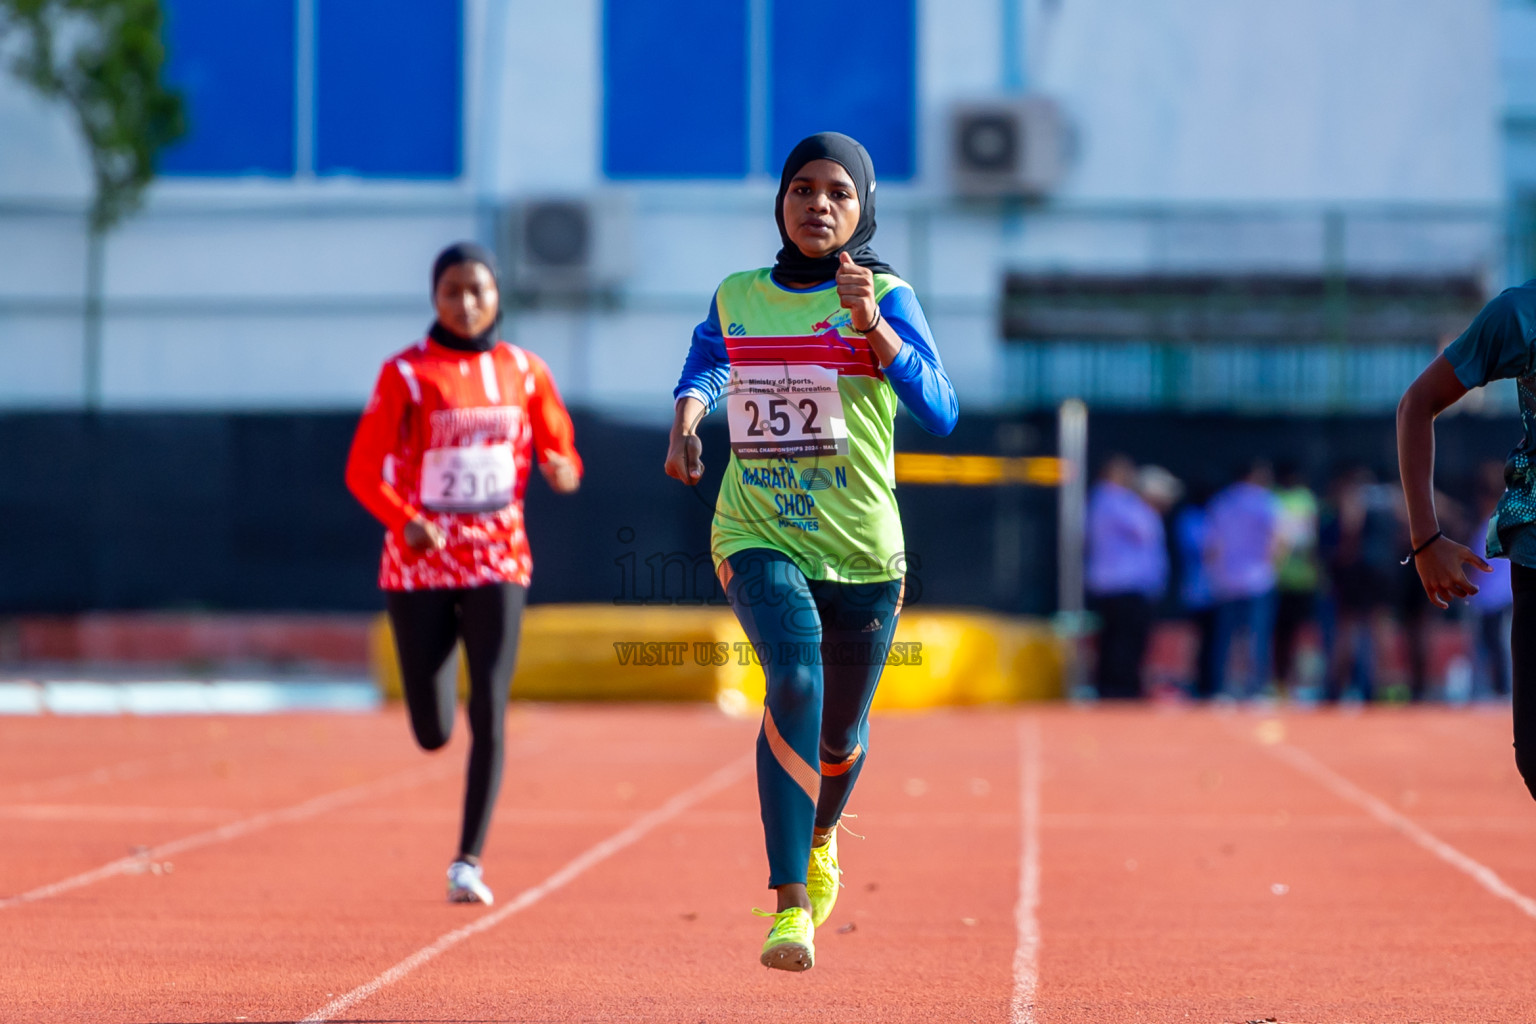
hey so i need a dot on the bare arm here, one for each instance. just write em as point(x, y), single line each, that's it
point(1441, 565)
point(685, 452)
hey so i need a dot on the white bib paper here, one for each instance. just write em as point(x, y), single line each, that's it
point(784, 410)
point(473, 479)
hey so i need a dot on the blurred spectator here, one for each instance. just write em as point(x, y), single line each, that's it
point(1411, 606)
point(1492, 604)
point(1162, 490)
point(1298, 574)
point(1127, 569)
point(1190, 532)
point(1356, 540)
point(1240, 554)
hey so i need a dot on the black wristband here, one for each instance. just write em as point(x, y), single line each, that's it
point(873, 325)
point(1423, 547)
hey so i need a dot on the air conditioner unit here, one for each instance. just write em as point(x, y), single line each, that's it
point(565, 245)
point(1009, 147)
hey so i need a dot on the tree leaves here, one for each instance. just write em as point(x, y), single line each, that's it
point(102, 58)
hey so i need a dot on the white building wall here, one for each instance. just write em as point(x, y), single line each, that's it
point(1305, 101)
point(261, 294)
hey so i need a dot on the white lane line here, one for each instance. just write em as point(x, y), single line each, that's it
point(1384, 813)
point(528, 897)
point(1026, 955)
point(107, 812)
point(135, 863)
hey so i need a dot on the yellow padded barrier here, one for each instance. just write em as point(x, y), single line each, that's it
point(610, 652)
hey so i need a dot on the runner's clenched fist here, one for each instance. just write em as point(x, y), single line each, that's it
point(856, 290)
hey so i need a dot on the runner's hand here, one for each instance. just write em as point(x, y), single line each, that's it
point(685, 458)
point(561, 473)
point(856, 290)
point(1442, 569)
point(424, 535)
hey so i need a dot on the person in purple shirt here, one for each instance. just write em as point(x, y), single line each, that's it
point(1240, 556)
point(1127, 570)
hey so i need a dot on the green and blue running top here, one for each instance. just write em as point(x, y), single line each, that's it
point(812, 419)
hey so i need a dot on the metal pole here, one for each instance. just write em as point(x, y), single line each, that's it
point(1011, 33)
point(1072, 508)
point(1009, 524)
point(90, 371)
point(759, 54)
point(304, 76)
point(1071, 518)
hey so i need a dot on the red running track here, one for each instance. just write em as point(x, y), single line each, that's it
point(1042, 865)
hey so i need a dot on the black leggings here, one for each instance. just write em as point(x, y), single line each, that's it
point(427, 624)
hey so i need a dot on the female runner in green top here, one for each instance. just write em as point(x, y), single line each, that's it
point(811, 357)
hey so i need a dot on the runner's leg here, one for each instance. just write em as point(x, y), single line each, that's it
point(773, 602)
point(858, 624)
point(1523, 658)
point(426, 627)
point(491, 619)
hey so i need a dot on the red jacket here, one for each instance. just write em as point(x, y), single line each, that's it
point(450, 436)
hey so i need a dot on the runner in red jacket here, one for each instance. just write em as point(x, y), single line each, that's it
point(441, 458)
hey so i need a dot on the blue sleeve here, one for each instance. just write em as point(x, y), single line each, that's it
point(916, 374)
point(707, 368)
point(1494, 347)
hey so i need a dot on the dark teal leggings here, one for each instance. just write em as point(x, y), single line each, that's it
point(822, 646)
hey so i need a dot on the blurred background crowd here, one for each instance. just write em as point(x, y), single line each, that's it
point(1269, 584)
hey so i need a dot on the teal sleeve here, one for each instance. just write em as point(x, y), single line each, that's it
point(1497, 345)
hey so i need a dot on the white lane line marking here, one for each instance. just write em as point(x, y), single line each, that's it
point(119, 772)
point(234, 830)
point(1382, 812)
point(528, 897)
point(1026, 955)
point(107, 812)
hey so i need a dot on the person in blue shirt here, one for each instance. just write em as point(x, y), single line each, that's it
point(1127, 570)
point(1191, 533)
point(1500, 344)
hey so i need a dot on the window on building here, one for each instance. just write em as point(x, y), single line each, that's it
point(234, 62)
point(679, 100)
point(332, 87)
point(389, 80)
point(675, 88)
point(866, 89)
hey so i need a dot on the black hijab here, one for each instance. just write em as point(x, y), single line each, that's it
point(464, 252)
point(794, 266)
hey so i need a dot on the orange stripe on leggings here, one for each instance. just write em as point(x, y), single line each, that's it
point(804, 775)
point(842, 767)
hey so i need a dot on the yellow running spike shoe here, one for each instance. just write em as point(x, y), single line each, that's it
point(822, 879)
point(790, 945)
